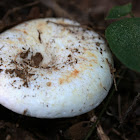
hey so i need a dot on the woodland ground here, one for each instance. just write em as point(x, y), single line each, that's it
point(120, 121)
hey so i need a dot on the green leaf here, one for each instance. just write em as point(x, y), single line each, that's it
point(119, 11)
point(123, 37)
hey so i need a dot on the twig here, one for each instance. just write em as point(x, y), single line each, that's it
point(119, 134)
point(1, 47)
point(6, 26)
point(64, 25)
point(112, 71)
point(56, 8)
point(131, 109)
point(119, 107)
point(104, 109)
point(18, 8)
point(71, 25)
point(99, 28)
point(101, 133)
point(114, 80)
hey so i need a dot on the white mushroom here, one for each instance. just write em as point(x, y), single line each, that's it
point(53, 68)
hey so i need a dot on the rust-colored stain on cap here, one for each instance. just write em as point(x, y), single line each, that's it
point(69, 77)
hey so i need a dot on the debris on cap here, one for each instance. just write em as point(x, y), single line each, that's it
point(53, 68)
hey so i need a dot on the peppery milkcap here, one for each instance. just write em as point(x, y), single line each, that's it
point(53, 68)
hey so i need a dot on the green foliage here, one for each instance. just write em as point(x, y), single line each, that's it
point(123, 37)
point(119, 11)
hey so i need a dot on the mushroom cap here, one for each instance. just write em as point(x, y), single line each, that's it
point(53, 68)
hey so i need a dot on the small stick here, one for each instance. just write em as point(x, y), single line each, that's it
point(71, 25)
point(119, 107)
point(4, 26)
point(119, 134)
point(18, 8)
point(56, 8)
point(131, 109)
point(112, 71)
point(1, 47)
point(100, 131)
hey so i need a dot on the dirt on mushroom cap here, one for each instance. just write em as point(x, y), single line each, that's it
point(53, 66)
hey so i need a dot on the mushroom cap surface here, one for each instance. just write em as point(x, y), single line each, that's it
point(53, 68)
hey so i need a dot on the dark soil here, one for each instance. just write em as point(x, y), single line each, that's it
point(120, 121)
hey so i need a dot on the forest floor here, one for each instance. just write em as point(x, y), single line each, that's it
point(121, 118)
